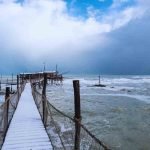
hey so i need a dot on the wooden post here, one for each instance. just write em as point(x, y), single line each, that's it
point(18, 92)
point(17, 82)
point(6, 108)
point(44, 99)
point(77, 116)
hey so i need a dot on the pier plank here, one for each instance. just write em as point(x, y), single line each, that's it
point(26, 130)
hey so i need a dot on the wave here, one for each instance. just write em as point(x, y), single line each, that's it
point(138, 97)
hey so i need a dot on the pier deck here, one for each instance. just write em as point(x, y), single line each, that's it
point(26, 130)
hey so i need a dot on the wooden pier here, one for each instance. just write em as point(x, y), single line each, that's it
point(35, 124)
point(26, 130)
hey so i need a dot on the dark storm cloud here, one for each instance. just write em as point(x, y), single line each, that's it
point(128, 52)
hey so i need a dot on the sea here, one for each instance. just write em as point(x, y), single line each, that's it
point(118, 114)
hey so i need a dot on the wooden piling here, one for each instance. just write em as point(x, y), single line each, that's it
point(77, 116)
point(6, 108)
point(44, 100)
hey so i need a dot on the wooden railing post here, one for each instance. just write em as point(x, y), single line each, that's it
point(18, 92)
point(44, 99)
point(6, 108)
point(77, 116)
point(17, 82)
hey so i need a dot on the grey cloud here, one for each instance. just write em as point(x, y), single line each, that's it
point(128, 52)
point(120, 44)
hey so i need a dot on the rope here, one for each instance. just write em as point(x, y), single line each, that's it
point(12, 105)
point(7, 99)
point(72, 120)
point(57, 130)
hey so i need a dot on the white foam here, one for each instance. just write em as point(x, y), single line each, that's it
point(138, 97)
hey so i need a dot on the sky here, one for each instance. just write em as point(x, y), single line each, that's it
point(80, 36)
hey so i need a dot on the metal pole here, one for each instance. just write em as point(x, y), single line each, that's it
point(77, 113)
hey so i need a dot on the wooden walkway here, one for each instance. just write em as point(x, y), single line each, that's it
point(26, 131)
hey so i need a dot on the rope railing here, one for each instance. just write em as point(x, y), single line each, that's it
point(7, 110)
point(61, 128)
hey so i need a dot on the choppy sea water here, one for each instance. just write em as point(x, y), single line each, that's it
point(5, 79)
point(118, 114)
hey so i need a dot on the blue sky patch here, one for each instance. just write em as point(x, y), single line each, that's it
point(79, 7)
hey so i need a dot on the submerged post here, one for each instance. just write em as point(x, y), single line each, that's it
point(99, 79)
point(6, 108)
point(77, 116)
point(44, 100)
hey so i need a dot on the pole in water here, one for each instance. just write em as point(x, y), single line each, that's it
point(99, 79)
point(77, 116)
